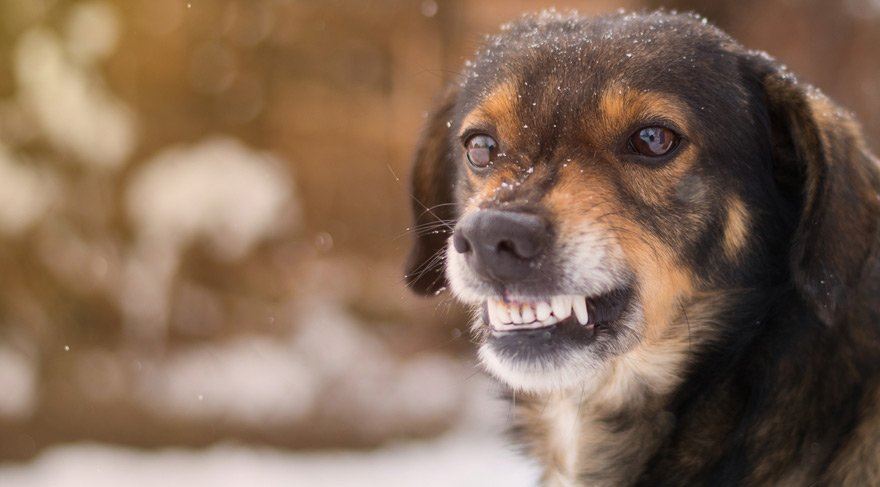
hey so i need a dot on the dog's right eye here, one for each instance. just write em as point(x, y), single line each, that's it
point(481, 150)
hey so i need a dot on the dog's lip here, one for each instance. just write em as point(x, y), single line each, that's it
point(518, 315)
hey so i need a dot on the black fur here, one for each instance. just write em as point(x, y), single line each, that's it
point(792, 368)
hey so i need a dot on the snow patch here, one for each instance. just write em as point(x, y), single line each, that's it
point(25, 194)
point(92, 31)
point(459, 460)
point(218, 191)
point(18, 383)
point(253, 381)
point(388, 393)
point(70, 103)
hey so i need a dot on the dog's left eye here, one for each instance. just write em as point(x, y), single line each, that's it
point(653, 141)
point(481, 150)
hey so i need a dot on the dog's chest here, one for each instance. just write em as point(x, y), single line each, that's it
point(579, 442)
point(561, 425)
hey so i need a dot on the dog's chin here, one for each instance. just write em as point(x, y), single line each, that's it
point(567, 371)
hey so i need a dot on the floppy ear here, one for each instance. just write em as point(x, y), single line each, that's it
point(431, 183)
point(820, 161)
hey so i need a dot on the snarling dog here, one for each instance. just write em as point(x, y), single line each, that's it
point(672, 247)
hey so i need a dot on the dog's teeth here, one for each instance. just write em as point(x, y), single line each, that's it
point(501, 311)
point(515, 317)
point(528, 315)
point(493, 314)
point(561, 306)
point(579, 303)
point(542, 311)
point(506, 316)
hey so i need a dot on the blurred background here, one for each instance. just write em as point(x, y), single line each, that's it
point(203, 219)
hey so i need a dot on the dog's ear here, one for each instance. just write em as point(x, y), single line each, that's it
point(820, 163)
point(431, 182)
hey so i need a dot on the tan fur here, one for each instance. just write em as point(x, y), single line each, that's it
point(497, 108)
point(495, 187)
point(587, 196)
point(620, 104)
point(580, 194)
point(736, 229)
point(664, 284)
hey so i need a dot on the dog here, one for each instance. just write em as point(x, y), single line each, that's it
point(671, 247)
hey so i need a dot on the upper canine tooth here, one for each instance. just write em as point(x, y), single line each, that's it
point(501, 311)
point(528, 315)
point(542, 311)
point(493, 314)
point(514, 313)
point(579, 303)
point(561, 306)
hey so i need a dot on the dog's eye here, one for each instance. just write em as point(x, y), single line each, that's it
point(481, 150)
point(653, 141)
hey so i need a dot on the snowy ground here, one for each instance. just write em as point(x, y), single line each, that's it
point(454, 460)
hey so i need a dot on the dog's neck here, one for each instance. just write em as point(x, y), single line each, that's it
point(625, 423)
point(605, 431)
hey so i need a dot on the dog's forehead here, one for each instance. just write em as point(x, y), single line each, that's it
point(572, 59)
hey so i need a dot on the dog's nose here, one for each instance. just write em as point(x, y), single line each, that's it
point(501, 245)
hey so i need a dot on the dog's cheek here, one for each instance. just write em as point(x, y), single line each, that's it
point(461, 280)
point(663, 283)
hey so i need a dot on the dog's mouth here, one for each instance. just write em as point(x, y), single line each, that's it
point(547, 331)
point(589, 313)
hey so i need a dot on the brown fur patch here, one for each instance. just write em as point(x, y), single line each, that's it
point(587, 196)
point(580, 194)
point(736, 229)
point(664, 284)
point(497, 109)
point(619, 106)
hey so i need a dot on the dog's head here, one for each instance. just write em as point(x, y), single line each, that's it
point(601, 175)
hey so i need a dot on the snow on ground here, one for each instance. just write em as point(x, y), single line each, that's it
point(472, 453)
point(458, 459)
